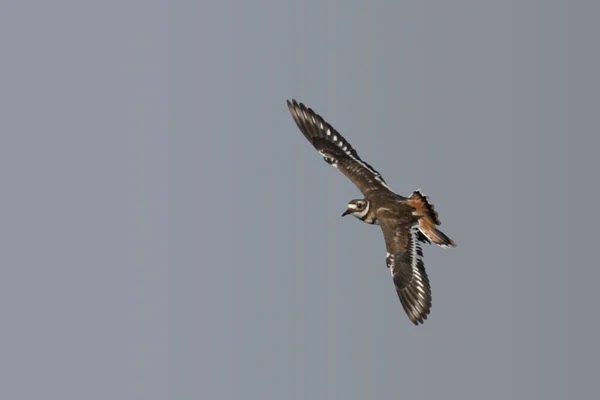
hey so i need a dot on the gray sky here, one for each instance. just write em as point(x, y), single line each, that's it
point(169, 233)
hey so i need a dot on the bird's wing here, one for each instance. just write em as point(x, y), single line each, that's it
point(335, 149)
point(405, 261)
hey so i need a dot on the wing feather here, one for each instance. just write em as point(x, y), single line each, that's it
point(335, 149)
point(405, 261)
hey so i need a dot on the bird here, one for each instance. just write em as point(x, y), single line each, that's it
point(406, 222)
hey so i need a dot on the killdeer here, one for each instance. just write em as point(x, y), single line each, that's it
point(406, 222)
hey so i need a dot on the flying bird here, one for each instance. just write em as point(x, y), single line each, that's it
point(406, 222)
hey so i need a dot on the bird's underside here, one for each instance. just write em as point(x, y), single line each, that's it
point(406, 223)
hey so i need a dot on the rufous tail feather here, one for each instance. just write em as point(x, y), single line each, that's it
point(428, 219)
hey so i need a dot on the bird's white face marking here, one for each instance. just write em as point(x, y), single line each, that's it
point(359, 209)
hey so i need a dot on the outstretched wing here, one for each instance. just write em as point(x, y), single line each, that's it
point(405, 261)
point(335, 149)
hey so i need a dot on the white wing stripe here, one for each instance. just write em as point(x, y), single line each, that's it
point(414, 249)
point(311, 117)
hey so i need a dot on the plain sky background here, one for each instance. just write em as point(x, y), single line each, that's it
point(167, 232)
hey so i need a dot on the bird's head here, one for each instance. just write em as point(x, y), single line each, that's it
point(358, 208)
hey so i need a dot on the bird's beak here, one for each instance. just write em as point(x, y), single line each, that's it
point(348, 211)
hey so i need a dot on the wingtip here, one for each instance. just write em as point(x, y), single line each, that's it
point(419, 321)
point(292, 102)
point(295, 109)
point(416, 314)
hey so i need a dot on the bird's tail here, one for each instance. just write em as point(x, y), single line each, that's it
point(428, 220)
